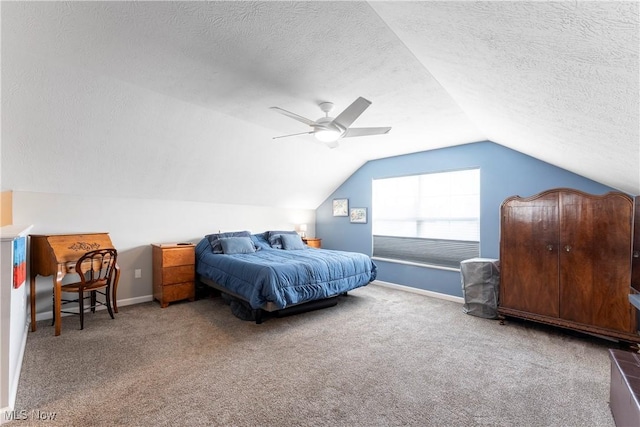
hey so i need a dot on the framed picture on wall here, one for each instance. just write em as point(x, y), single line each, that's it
point(340, 207)
point(358, 215)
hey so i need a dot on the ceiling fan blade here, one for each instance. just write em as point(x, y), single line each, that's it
point(352, 112)
point(293, 116)
point(293, 134)
point(351, 132)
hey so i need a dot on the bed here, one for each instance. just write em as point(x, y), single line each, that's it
point(275, 271)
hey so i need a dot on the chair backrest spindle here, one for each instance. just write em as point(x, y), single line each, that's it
point(99, 267)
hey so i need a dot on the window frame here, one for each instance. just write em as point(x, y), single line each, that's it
point(464, 249)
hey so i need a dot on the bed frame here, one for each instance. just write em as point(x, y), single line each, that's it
point(270, 309)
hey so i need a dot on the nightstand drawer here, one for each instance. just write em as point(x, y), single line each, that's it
point(181, 273)
point(312, 242)
point(178, 292)
point(178, 256)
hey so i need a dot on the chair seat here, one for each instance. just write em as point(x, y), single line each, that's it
point(75, 287)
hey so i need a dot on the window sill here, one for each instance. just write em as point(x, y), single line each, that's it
point(416, 264)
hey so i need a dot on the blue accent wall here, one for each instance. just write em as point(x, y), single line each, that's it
point(503, 173)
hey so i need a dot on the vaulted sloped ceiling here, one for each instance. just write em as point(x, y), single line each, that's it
point(169, 100)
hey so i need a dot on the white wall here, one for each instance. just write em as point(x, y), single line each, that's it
point(62, 122)
point(134, 224)
point(14, 322)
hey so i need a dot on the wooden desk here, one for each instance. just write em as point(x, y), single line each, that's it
point(56, 255)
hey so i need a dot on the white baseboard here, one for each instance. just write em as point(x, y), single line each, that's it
point(48, 315)
point(4, 412)
point(418, 291)
point(23, 346)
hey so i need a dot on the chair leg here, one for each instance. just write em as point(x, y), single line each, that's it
point(93, 301)
point(81, 308)
point(107, 297)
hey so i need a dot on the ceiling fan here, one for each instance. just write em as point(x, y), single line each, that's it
point(328, 129)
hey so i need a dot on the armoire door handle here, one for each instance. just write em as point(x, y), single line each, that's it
point(567, 248)
point(549, 248)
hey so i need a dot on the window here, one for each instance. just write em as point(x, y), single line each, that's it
point(427, 219)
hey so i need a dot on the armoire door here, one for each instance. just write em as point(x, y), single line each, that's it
point(635, 257)
point(529, 254)
point(595, 261)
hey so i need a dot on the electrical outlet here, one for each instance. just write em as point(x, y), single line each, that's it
point(137, 273)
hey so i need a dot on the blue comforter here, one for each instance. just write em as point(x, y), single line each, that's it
point(285, 277)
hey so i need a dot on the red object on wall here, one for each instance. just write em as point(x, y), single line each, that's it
point(19, 274)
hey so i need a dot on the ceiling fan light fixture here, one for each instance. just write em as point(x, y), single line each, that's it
point(327, 135)
point(332, 144)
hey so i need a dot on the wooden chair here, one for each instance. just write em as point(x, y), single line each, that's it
point(97, 272)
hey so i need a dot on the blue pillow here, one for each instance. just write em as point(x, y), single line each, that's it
point(274, 238)
point(261, 241)
point(291, 242)
point(237, 245)
point(214, 239)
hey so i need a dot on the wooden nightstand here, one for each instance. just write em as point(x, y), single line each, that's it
point(174, 272)
point(313, 242)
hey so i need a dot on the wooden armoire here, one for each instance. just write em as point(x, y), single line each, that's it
point(565, 260)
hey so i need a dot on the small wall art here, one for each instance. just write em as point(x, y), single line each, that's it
point(340, 207)
point(358, 215)
point(19, 261)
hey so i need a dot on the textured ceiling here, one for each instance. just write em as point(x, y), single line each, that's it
point(170, 99)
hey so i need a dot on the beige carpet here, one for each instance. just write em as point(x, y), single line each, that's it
point(381, 357)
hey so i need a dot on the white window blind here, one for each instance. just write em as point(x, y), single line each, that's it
point(430, 218)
